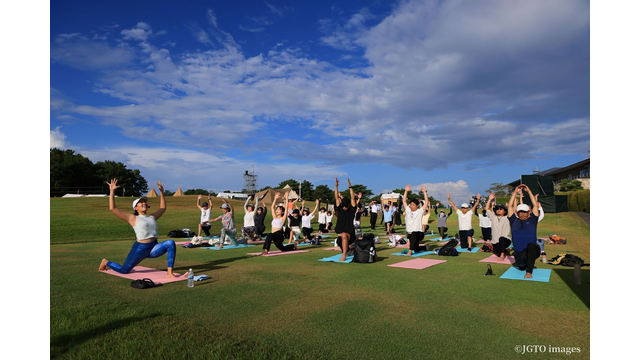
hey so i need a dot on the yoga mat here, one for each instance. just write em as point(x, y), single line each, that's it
point(183, 242)
point(141, 272)
point(255, 242)
point(473, 250)
point(508, 260)
point(432, 235)
point(227, 247)
point(278, 252)
point(446, 239)
point(332, 248)
point(421, 253)
point(418, 264)
point(480, 241)
point(336, 257)
point(541, 275)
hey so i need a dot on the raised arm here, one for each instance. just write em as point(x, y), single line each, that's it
point(130, 218)
point(316, 208)
point(404, 197)
point(198, 202)
point(337, 194)
point(492, 197)
point(246, 203)
point(163, 204)
point(426, 199)
point(453, 206)
point(230, 206)
point(273, 205)
point(534, 201)
point(358, 198)
point(475, 205)
point(353, 194)
point(512, 202)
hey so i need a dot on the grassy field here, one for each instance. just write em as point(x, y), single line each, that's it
point(289, 307)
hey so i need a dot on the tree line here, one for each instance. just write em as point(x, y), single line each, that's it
point(70, 172)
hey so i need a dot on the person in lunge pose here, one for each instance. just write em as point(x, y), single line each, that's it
point(387, 213)
point(442, 221)
point(500, 227)
point(464, 222)
point(307, 216)
point(277, 224)
point(258, 220)
point(146, 229)
point(413, 220)
point(205, 215)
point(485, 224)
point(329, 220)
point(524, 225)
point(228, 231)
point(249, 229)
point(346, 211)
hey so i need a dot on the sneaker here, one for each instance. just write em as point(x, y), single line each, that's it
point(468, 249)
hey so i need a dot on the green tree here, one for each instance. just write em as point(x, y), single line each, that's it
point(359, 188)
point(292, 183)
point(500, 190)
point(305, 189)
point(324, 193)
point(570, 185)
point(131, 180)
point(68, 169)
point(196, 192)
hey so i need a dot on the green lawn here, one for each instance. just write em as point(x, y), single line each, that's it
point(293, 306)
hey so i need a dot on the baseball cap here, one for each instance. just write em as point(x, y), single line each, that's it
point(136, 201)
point(522, 207)
point(205, 204)
point(224, 206)
point(465, 205)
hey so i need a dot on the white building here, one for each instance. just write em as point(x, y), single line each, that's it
point(233, 196)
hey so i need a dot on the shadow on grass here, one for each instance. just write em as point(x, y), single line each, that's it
point(211, 265)
point(581, 291)
point(60, 345)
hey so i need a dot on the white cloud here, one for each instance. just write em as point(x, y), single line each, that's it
point(57, 139)
point(459, 191)
point(139, 32)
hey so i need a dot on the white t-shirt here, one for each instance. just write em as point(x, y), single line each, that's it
point(374, 209)
point(485, 222)
point(322, 218)
point(413, 219)
point(329, 218)
point(306, 220)
point(248, 219)
point(464, 220)
point(205, 215)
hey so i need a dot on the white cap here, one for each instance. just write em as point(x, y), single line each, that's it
point(465, 205)
point(135, 202)
point(224, 206)
point(522, 207)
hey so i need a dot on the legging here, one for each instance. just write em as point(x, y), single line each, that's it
point(322, 228)
point(259, 231)
point(140, 251)
point(414, 241)
point(248, 231)
point(306, 232)
point(228, 234)
point(486, 233)
point(501, 246)
point(329, 224)
point(442, 231)
point(277, 238)
point(527, 259)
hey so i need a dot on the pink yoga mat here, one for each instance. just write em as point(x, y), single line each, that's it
point(183, 242)
point(480, 241)
point(278, 252)
point(508, 260)
point(332, 248)
point(418, 263)
point(141, 272)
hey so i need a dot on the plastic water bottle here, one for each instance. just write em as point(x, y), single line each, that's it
point(190, 278)
point(544, 258)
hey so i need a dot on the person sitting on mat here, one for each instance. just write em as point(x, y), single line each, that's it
point(524, 225)
point(277, 224)
point(248, 231)
point(464, 222)
point(205, 214)
point(500, 227)
point(346, 211)
point(413, 220)
point(442, 221)
point(258, 220)
point(228, 231)
point(307, 216)
point(485, 224)
point(146, 229)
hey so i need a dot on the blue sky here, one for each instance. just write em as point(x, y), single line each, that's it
point(453, 94)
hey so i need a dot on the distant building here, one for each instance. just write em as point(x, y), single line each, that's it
point(233, 196)
point(578, 171)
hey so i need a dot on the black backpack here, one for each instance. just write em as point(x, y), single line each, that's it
point(567, 260)
point(365, 250)
point(180, 234)
point(449, 249)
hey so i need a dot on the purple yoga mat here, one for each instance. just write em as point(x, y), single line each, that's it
point(141, 272)
point(278, 252)
point(508, 260)
point(418, 263)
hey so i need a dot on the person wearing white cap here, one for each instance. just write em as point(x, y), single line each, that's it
point(413, 220)
point(524, 225)
point(464, 222)
point(228, 231)
point(205, 214)
point(146, 229)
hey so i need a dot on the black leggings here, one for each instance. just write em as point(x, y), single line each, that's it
point(373, 219)
point(322, 228)
point(277, 238)
point(260, 231)
point(502, 245)
point(306, 232)
point(527, 259)
point(414, 241)
point(486, 233)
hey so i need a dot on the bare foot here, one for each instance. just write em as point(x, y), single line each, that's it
point(266, 252)
point(502, 257)
point(343, 257)
point(103, 265)
point(528, 276)
point(295, 245)
point(220, 247)
point(409, 253)
point(170, 275)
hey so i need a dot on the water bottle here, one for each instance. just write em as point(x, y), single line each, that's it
point(190, 278)
point(544, 258)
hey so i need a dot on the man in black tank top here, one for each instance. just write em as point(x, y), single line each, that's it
point(346, 211)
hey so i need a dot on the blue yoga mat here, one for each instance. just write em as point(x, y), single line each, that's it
point(431, 235)
point(227, 247)
point(473, 250)
point(514, 273)
point(421, 253)
point(335, 258)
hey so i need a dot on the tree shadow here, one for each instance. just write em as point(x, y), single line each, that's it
point(581, 291)
point(60, 345)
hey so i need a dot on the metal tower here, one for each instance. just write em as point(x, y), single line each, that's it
point(250, 181)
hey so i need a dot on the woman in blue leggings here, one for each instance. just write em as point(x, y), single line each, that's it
point(146, 228)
